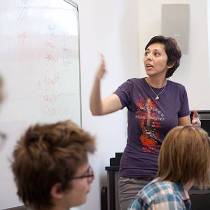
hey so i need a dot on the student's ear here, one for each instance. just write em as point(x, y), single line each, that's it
point(56, 191)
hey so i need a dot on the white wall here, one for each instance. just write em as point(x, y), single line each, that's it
point(110, 27)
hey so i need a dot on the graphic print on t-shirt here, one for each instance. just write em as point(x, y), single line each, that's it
point(149, 118)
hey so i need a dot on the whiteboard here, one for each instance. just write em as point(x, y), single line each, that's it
point(39, 62)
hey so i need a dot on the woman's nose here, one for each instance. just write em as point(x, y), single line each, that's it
point(148, 56)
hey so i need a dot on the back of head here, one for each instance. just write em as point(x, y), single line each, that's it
point(48, 154)
point(172, 50)
point(185, 156)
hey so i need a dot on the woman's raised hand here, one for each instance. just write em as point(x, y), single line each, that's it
point(101, 68)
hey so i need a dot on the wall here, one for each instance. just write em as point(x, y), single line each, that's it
point(109, 27)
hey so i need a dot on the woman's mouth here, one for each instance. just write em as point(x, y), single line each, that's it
point(148, 66)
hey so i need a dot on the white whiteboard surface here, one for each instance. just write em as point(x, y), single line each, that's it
point(39, 62)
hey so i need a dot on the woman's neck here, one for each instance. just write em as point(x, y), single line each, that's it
point(156, 82)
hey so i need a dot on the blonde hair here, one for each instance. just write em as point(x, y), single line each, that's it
point(185, 156)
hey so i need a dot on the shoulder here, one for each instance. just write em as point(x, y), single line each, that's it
point(159, 191)
point(131, 83)
point(175, 84)
point(136, 80)
point(176, 87)
point(136, 205)
point(161, 195)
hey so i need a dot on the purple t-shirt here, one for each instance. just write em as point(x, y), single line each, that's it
point(149, 120)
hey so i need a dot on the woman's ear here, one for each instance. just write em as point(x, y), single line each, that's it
point(56, 191)
point(170, 65)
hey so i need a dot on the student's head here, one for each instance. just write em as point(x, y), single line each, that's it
point(185, 156)
point(50, 165)
point(172, 50)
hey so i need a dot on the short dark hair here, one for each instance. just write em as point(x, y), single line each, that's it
point(172, 50)
point(185, 156)
point(47, 154)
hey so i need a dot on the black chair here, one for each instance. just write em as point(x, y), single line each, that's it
point(200, 201)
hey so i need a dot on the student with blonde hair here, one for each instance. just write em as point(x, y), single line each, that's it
point(184, 161)
point(50, 166)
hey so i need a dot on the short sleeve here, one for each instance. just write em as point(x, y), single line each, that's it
point(184, 107)
point(124, 92)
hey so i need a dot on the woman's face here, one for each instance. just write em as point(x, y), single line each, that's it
point(155, 60)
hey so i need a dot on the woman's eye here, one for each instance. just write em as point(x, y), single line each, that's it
point(146, 53)
point(157, 54)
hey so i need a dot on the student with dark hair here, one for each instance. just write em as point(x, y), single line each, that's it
point(50, 166)
point(155, 105)
point(184, 160)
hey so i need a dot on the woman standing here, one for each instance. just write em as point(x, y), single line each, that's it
point(155, 106)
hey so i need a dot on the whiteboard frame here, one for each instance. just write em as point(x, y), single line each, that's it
point(72, 3)
point(80, 91)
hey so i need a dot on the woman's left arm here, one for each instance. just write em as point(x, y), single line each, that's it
point(184, 121)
